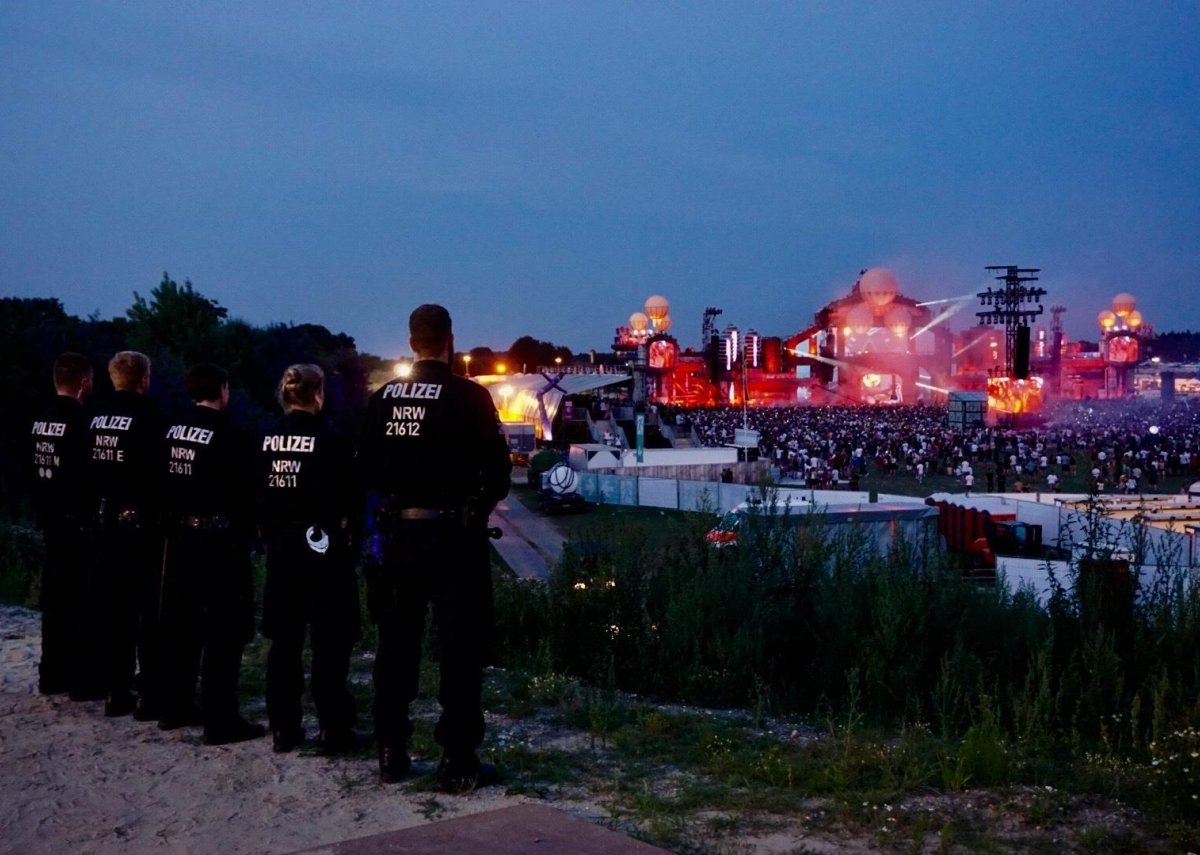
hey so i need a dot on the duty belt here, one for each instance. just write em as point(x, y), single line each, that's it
point(128, 517)
point(428, 514)
point(198, 523)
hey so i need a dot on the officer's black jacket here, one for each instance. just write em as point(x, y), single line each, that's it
point(59, 458)
point(433, 440)
point(209, 467)
point(306, 473)
point(124, 442)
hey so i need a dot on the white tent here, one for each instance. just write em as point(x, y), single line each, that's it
point(536, 398)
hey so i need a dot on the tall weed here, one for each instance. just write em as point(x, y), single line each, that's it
point(1107, 666)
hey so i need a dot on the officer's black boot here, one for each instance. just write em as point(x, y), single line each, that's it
point(50, 687)
point(341, 740)
point(87, 693)
point(234, 730)
point(286, 739)
point(463, 773)
point(147, 709)
point(119, 704)
point(394, 764)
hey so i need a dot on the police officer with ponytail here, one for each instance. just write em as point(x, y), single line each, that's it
point(307, 496)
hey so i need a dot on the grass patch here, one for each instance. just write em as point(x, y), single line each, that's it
point(924, 682)
point(530, 771)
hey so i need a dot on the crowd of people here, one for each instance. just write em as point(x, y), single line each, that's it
point(149, 525)
point(1120, 446)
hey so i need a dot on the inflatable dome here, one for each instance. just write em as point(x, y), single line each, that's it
point(878, 286)
point(656, 307)
point(860, 319)
point(1123, 304)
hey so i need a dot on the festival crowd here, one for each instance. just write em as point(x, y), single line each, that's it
point(1124, 447)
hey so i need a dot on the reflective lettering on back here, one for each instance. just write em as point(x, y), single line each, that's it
point(421, 391)
point(289, 443)
point(111, 422)
point(190, 433)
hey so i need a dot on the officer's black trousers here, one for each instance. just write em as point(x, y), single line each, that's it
point(306, 588)
point(71, 650)
point(128, 570)
point(207, 618)
point(436, 563)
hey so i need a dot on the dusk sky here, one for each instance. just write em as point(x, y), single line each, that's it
point(541, 168)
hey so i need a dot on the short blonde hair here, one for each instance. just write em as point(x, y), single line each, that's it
point(127, 369)
point(300, 385)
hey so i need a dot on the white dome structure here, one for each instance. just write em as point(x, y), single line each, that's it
point(656, 307)
point(897, 320)
point(1123, 304)
point(860, 319)
point(878, 286)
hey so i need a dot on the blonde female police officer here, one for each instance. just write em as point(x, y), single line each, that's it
point(306, 496)
point(436, 462)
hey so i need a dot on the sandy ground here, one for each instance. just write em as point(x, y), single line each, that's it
point(73, 781)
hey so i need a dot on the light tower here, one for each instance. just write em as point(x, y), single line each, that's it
point(1008, 308)
point(1056, 344)
point(708, 328)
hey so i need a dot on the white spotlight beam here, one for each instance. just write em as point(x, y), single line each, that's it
point(943, 315)
point(965, 298)
point(963, 350)
point(819, 358)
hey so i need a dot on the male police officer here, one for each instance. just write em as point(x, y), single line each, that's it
point(434, 457)
point(59, 456)
point(208, 589)
point(124, 443)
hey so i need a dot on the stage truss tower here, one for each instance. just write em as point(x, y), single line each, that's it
point(1009, 306)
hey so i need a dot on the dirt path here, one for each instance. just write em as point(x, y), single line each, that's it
point(530, 545)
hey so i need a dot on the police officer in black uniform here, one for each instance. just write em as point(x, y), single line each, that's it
point(62, 499)
point(208, 588)
point(434, 458)
point(307, 497)
point(124, 445)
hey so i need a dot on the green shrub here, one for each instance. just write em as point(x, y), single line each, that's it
point(807, 621)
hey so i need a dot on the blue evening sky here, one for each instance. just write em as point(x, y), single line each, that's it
point(542, 167)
